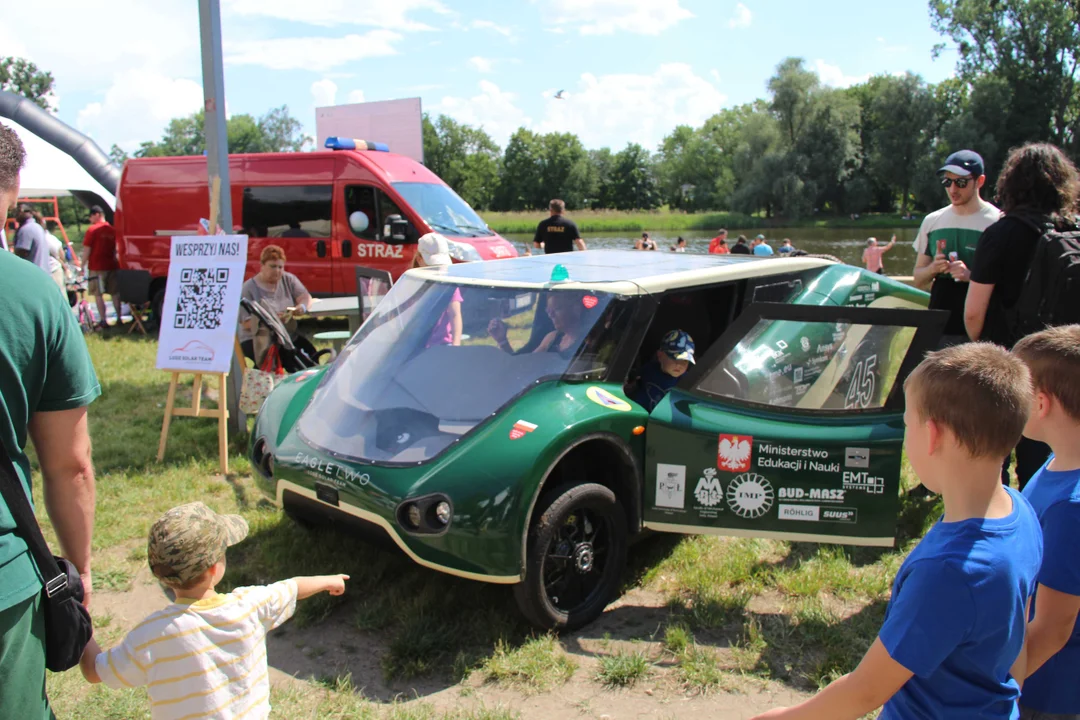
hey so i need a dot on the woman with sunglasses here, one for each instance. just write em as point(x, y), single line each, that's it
point(947, 239)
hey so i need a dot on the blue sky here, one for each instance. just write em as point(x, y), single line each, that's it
point(631, 69)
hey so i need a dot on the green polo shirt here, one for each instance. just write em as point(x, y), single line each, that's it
point(44, 367)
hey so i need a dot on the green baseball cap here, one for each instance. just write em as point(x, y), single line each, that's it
point(187, 540)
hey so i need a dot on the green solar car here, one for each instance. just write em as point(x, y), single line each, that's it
point(482, 417)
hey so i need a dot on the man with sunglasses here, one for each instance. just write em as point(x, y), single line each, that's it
point(947, 239)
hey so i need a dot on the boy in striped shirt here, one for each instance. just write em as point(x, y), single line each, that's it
point(204, 656)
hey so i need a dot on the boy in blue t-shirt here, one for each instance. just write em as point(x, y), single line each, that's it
point(660, 374)
point(1052, 689)
point(955, 624)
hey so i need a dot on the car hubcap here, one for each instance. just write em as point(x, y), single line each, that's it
point(575, 561)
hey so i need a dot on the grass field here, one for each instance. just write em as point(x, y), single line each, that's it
point(616, 220)
point(727, 614)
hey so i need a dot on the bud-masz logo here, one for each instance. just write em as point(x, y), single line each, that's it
point(193, 351)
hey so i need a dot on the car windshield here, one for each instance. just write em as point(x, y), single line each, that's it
point(443, 209)
point(436, 359)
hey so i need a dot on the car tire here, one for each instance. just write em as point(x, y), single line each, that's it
point(575, 558)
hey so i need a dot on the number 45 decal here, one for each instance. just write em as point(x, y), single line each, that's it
point(861, 390)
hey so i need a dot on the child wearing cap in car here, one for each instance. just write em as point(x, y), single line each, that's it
point(660, 374)
point(205, 654)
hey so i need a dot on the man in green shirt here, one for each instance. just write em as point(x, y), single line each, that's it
point(46, 382)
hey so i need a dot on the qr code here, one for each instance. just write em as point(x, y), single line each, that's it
point(202, 298)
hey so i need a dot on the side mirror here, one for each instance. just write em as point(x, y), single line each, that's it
point(396, 229)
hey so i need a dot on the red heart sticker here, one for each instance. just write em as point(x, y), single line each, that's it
point(589, 301)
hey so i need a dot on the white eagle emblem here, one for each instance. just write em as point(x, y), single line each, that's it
point(734, 452)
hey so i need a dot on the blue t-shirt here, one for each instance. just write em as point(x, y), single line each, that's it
point(653, 386)
point(1056, 499)
point(763, 249)
point(956, 618)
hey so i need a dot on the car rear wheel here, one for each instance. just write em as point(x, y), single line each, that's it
point(576, 553)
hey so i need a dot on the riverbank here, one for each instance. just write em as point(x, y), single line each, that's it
point(618, 221)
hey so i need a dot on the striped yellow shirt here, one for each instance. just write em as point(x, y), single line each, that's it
point(204, 659)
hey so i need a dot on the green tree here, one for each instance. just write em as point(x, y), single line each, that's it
point(520, 173)
point(466, 158)
point(23, 77)
point(565, 172)
point(902, 116)
point(793, 89)
point(633, 185)
point(1031, 45)
point(117, 155)
point(276, 131)
point(602, 163)
point(829, 149)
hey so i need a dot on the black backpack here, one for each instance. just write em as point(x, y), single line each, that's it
point(1051, 292)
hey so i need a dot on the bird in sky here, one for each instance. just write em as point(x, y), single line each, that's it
point(559, 95)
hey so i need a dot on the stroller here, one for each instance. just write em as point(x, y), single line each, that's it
point(293, 355)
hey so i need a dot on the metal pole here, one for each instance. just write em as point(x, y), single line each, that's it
point(217, 162)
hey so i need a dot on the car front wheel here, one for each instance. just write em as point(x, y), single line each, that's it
point(576, 553)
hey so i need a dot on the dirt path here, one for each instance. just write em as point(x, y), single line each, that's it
point(334, 648)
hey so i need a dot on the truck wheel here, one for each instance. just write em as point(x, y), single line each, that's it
point(576, 553)
point(157, 302)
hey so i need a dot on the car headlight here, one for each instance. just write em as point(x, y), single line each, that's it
point(442, 512)
point(463, 252)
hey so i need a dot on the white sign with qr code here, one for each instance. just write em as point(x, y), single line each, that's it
point(202, 297)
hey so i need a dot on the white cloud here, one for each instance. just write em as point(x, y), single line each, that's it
point(612, 110)
point(311, 53)
point(741, 18)
point(324, 92)
point(604, 111)
point(833, 76)
point(356, 96)
point(389, 14)
point(604, 17)
point(483, 65)
point(489, 25)
point(493, 110)
point(138, 106)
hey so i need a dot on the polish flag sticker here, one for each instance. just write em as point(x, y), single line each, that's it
point(589, 301)
point(520, 429)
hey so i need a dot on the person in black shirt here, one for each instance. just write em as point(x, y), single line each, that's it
point(740, 247)
point(556, 234)
point(1037, 181)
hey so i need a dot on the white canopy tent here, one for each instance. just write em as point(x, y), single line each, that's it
point(50, 171)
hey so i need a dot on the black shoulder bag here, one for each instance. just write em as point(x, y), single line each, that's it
point(67, 623)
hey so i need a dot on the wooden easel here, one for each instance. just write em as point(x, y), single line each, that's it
point(221, 412)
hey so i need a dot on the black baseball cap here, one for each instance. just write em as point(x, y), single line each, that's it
point(96, 209)
point(963, 163)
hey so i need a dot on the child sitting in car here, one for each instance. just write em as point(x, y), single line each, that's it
point(660, 374)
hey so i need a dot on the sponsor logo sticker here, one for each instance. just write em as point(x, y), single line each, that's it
point(708, 491)
point(806, 513)
point(521, 429)
point(589, 301)
point(670, 486)
point(804, 343)
point(856, 457)
point(864, 481)
point(734, 453)
point(797, 374)
point(750, 496)
point(602, 397)
point(848, 515)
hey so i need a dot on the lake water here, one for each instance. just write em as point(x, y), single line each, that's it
point(846, 244)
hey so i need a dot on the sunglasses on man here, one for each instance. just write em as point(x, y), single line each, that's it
point(959, 182)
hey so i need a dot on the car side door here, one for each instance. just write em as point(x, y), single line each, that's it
point(789, 427)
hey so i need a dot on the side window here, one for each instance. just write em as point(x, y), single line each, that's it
point(776, 290)
point(286, 211)
point(361, 199)
point(388, 207)
point(812, 365)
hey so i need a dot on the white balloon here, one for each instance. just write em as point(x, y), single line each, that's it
point(358, 221)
